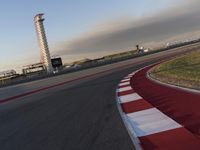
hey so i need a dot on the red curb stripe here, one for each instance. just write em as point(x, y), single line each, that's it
point(124, 81)
point(181, 106)
point(123, 86)
point(176, 139)
point(126, 92)
point(135, 106)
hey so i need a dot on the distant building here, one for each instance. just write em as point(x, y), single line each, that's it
point(45, 54)
point(143, 50)
point(56, 62)
point(9, 74)
point(33, 68)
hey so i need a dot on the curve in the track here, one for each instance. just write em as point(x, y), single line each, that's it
point(159, 117)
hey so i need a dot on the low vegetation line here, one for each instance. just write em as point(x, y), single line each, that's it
point(183, 71)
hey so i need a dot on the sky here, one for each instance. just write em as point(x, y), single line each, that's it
point(78, 29)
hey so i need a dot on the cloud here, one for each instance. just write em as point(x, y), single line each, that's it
point(124, 34)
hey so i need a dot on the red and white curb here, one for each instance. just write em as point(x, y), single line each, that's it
point(143, 120)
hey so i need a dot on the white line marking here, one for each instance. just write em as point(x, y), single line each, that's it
point(125, 89)
point(129, 98)
point(151, 121)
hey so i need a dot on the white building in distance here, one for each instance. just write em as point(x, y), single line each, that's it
point(45, 54)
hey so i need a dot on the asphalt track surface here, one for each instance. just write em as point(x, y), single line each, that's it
point(84, 117)
point(81, 115)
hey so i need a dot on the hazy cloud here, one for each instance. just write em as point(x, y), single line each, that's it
point(125, 33)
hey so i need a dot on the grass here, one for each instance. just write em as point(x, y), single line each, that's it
point(183, 71)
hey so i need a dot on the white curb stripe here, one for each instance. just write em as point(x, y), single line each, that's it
point(125, 89)
point(151, 121)
point(129, 76)
point(126, 80)
point(125, 83)
point(129, 98)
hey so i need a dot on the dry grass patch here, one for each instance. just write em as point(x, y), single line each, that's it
point(183, 71)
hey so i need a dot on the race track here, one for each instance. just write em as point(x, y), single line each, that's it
point(78, 115)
